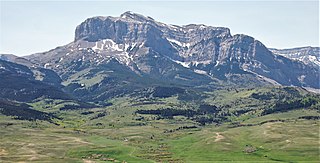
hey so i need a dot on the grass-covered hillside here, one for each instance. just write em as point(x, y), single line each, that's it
point(166, 124)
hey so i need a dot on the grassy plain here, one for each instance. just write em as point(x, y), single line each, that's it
point(122, 136)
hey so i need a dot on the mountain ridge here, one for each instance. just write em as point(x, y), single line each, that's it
point(139, 52)
point(308, 54)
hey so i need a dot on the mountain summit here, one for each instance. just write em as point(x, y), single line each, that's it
point(133, 51)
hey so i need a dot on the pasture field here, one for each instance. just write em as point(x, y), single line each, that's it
point(117, 133)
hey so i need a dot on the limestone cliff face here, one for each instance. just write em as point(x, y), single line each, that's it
point(151, 48)
point(308, 55)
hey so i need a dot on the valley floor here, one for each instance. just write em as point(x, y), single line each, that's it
point(289, 141)
point(248, 125)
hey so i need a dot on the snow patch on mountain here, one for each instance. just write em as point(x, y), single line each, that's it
point(46, 65)
point(182, 44)
point(107, 48)
point(200, 72)
point(308, 55)
point(184, 64)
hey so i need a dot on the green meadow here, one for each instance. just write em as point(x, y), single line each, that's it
point(120, 134)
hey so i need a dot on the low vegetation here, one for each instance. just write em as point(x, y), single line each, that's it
point(264, 125)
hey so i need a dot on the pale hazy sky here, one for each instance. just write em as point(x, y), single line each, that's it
point(28, 27)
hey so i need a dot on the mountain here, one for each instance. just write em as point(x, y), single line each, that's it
point(18, 60)
point(24, 84)
point(131, 89)
point(115, 55)
point(308, 55)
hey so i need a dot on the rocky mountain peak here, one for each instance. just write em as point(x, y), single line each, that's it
point(143, 46)
point(129, 15)
point(115, 28)
point(309, 55)
point(131, 25)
